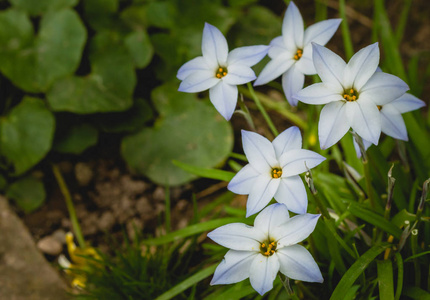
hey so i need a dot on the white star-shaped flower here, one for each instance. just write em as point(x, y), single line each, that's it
point(260, 252)
point(273, 171)
point(220, 71)
point(392, 123)
point(291, 53)
point(352, 93)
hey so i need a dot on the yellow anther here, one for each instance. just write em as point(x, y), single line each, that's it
point(263, 245)
point(351, 91)
point(379, 107)
point(350, 95)
point(221, 72)
point(354, 98)
point(276, 173)
point(298, 54)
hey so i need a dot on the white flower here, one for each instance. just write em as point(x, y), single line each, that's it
point(352, 93)
point(220, 71)
point(392, 123)
point(270, 246)
point(291, 53)
point(273, 171)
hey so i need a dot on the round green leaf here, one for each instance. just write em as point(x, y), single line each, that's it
point(28, 193)
point(188, 131)
point(41, 6)
point(34, 62)
point(108, 88)
point(26, 134)
point(77, 139)
point(140, 47)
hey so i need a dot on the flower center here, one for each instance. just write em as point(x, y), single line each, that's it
point(298, 54)
point(379, 107)
point(276, 173)
point(268, 248)
point(221, 72)
point(350, 95)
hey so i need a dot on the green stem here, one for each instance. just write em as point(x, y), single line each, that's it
point(70, 206)
point(262, 110)
point(279, 107)
point(321, 206)
point(349, 50)
point(369, 183)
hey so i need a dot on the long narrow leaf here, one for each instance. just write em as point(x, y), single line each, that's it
point(385, 280)
point(190, 281)
point(369, 216)
point(416, 293)
point(203, 172)
point(355, 270)
point(399, 287)
point(191, 230)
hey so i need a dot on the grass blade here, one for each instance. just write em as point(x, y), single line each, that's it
point(355, 270)
point(385, 279)
point(203, 172)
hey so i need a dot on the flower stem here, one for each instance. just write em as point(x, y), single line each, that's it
point(70, 207)
point(286, 284)
point(262, 110)
point(349, 51)
point(368, 183)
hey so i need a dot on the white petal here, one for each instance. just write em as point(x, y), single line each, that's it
point(237, 236)
point(333, 124)
point(392, 123)
point(247, 56)
point(263, 272)
point(270, 218)
point(321, 32)
point(361, 67)
point(198, 81)
point(234, 267)
point(274, 69)
point(305, 64)
point(292, 27)
point(214, 46)
point(365, 119)
point(239, 74)
point(407, 102)
point(293, 161)
point(196, 64)
point(277, 47)
point(289, 139)
point(292, 193)
point(262, 192)
point(259, 151)
point(243, 181)
point(330, 66)
point(224, 97)
point(366, 145)
point(383, 88)
point(292, 82)
point(298, 264)
point(319, 93)
point(295, 230)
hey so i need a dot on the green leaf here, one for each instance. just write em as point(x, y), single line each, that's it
point(28, 193)
point(26, 134)
point(187, 130)
point(373, 218)
point(207, 173)
point(416, 293)
point(355, 270)
point(100, 14)
point(34, 63)
point(190, 281)
point(108, 88)
point(140, 47)
point(42, 6)
point(77, 139)
point(385, 279)
point(191, 230)
point(161, 14)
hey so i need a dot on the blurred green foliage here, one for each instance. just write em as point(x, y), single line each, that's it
point(93, 66)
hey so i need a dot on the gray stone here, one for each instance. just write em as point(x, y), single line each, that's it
point(24, 272)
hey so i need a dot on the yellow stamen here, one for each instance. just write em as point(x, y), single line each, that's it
point(221, 72)
point(350, 95)
point(276, 173)
point(270, 250)
point(298, 54)
point(379, 107)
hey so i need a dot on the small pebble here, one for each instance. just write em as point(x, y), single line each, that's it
point(50, 245)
